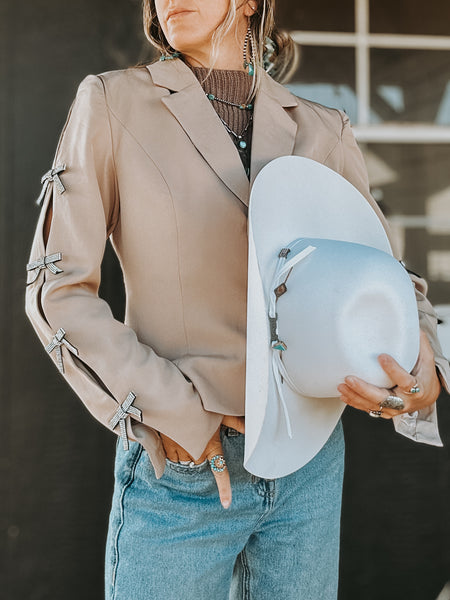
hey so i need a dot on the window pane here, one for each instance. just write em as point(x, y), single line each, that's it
point(322, 15)
point(410, 85)
point(327, 75)
point(413, 17)
point(412, 184)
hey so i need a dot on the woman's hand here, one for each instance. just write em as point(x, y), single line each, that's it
point(367, 397)
point(176, 453)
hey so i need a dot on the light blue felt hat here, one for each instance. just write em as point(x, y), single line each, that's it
point(325, 298)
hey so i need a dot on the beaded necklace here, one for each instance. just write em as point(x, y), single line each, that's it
point(212, 97)
point(238, 136)
point(241, 139)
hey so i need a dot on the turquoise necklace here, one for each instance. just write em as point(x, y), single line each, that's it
point(242, 144)
point(239, 137)
point(212, 97)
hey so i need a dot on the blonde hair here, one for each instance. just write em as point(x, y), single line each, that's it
point(276, 52)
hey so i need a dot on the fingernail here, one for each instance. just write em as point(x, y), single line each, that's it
point(226, 503)
point(350, 380)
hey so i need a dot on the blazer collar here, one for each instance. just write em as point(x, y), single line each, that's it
point(273, 129)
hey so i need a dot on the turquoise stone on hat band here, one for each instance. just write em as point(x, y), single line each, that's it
point(279, 345)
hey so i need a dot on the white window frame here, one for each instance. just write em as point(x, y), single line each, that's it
point(363, 41)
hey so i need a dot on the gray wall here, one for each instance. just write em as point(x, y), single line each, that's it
point(56, 460)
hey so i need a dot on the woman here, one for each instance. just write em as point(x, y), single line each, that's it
point(161, 158)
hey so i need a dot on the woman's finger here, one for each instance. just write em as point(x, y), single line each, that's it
point(223, 482)
point(373, 394)
point(174, 451)
point(416, 390)
point(214, 453)
point(367, 397)
point(401, 378)
point(352, 398)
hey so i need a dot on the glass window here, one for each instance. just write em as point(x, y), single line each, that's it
point(412, 184)
point(327, 75)
point(322, 15)
point(412, 17)
point(407, 87)
point(410, 86)
point(439, 265)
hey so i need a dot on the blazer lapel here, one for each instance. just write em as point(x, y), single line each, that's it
point(192, 109)
point(273, 135)
point(274, 131)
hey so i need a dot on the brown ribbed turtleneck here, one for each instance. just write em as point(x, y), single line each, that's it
point(233, 86)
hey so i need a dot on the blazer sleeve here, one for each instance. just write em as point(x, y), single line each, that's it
point(420, 426)
point(122, 382)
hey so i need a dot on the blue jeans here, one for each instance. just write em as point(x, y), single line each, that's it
point(170, 538)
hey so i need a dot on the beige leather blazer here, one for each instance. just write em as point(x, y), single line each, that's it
point(144, 159)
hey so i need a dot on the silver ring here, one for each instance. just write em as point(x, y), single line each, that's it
point(415, 389)
point(217, 463)
point(393, 402)
point(375, 413)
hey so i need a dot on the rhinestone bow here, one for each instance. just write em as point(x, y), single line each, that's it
point(52, 175)
point(45, 262)
point(57, 342)
point(124, 410)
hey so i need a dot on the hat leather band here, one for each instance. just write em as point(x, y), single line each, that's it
point(278, 287)
point(285, 266)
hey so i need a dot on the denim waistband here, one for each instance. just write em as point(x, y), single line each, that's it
point(229, 431)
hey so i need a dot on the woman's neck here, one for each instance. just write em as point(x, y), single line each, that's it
point(219, 64)
point(230, 57)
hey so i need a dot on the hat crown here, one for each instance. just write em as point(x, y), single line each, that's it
point(345, 304)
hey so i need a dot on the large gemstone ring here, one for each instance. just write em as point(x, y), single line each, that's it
point(393, 402)
point(217, 463)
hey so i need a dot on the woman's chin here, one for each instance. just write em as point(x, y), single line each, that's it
point(184, 40)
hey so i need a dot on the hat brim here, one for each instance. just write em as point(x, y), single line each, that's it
point(292, 197)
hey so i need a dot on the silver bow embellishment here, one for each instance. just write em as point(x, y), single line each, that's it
point(58, 341)
point(121, 415)
point(45, 262)
point(52, 175)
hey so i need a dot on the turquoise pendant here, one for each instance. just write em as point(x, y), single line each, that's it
point(250, 67)
point(243, 144)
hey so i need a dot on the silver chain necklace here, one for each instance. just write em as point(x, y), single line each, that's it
point(242, 143)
